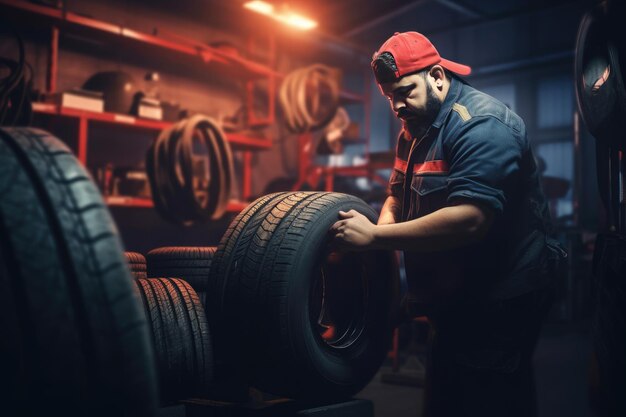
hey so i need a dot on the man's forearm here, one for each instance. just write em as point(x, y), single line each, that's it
point(391, 211)
point(447, 228)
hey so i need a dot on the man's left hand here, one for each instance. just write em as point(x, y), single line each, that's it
point(354, 231)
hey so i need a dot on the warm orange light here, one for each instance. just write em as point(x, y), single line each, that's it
point(298, 21)
point(289, 18)
point(260, 7)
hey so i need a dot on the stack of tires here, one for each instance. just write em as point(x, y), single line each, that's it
point(173, 297)
point(91, 330)
point(287, 314)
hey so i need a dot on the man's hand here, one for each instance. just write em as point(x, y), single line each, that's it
point(354, 231)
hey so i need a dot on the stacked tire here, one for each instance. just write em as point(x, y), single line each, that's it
point(181, 338)
point(191, 264)
point(136, 264)
point(289, 315)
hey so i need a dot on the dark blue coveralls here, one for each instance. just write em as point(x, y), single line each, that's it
point(485, 301)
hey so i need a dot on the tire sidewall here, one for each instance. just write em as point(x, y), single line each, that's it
point(351, 367)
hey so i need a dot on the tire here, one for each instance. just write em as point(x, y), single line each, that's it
point(192, 264)
point(236, 238)
point(273, 281)
point(136, 264)
point(181, 337)
point(75, 340)
point(228, 370)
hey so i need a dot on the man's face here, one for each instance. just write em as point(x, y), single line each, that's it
point(413, 101)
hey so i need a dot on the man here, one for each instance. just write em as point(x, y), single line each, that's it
point(465, 205)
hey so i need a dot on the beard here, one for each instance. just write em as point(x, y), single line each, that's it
point(422, 119)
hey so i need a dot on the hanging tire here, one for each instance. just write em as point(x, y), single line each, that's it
point(305, 322)
point(181, 337)
point(137, 264)
point(600, 85)
point(74, 337)
point(191, 264)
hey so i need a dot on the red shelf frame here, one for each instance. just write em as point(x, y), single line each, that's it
point(234, 206)
point(74, 22)
point(238, 141)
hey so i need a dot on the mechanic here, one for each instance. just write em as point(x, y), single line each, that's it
point(466, 207)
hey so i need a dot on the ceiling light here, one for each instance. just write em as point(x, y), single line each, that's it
point(260, 7)
point(292, 19)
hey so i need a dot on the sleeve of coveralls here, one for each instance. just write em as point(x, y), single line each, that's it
point(396, 182)
point(483, 159)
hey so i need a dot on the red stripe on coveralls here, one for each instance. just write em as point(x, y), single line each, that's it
point(428, 167)
point(431, 167)
point(400, 165)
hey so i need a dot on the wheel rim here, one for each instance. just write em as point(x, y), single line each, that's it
point(338, 299)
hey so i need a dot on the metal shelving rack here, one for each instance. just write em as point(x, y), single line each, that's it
point(155, 46)
point(163, 44)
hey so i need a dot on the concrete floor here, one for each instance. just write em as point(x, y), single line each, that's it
point(561, 366)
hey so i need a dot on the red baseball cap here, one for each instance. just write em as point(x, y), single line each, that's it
point(412, 52)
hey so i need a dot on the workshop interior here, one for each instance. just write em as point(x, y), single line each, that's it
point(169, 172)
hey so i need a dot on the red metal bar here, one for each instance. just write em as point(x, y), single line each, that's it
point(235, 139)
point(53, 61)
point(248, 141)
point(101, 117)
point(330, 181)
point(88, 22)
point(234, 206)
point(271, 88)
point(124, 201)
point(208, 52)
point(247, 175)
point(82, 140)
point(250, 103)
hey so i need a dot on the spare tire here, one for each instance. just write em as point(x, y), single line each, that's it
point(74, 337)
point(181, 337)
point(137, 264)
point(599, 83)
point(304, 322)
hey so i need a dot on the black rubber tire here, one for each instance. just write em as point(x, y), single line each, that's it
point(236, 237)
point(74, 337)
point(266, 273)
point(192, 264)
point(137, 264)
point(181, 337)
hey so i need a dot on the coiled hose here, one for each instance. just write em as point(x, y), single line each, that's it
point(187, 186)
point(309, 97)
